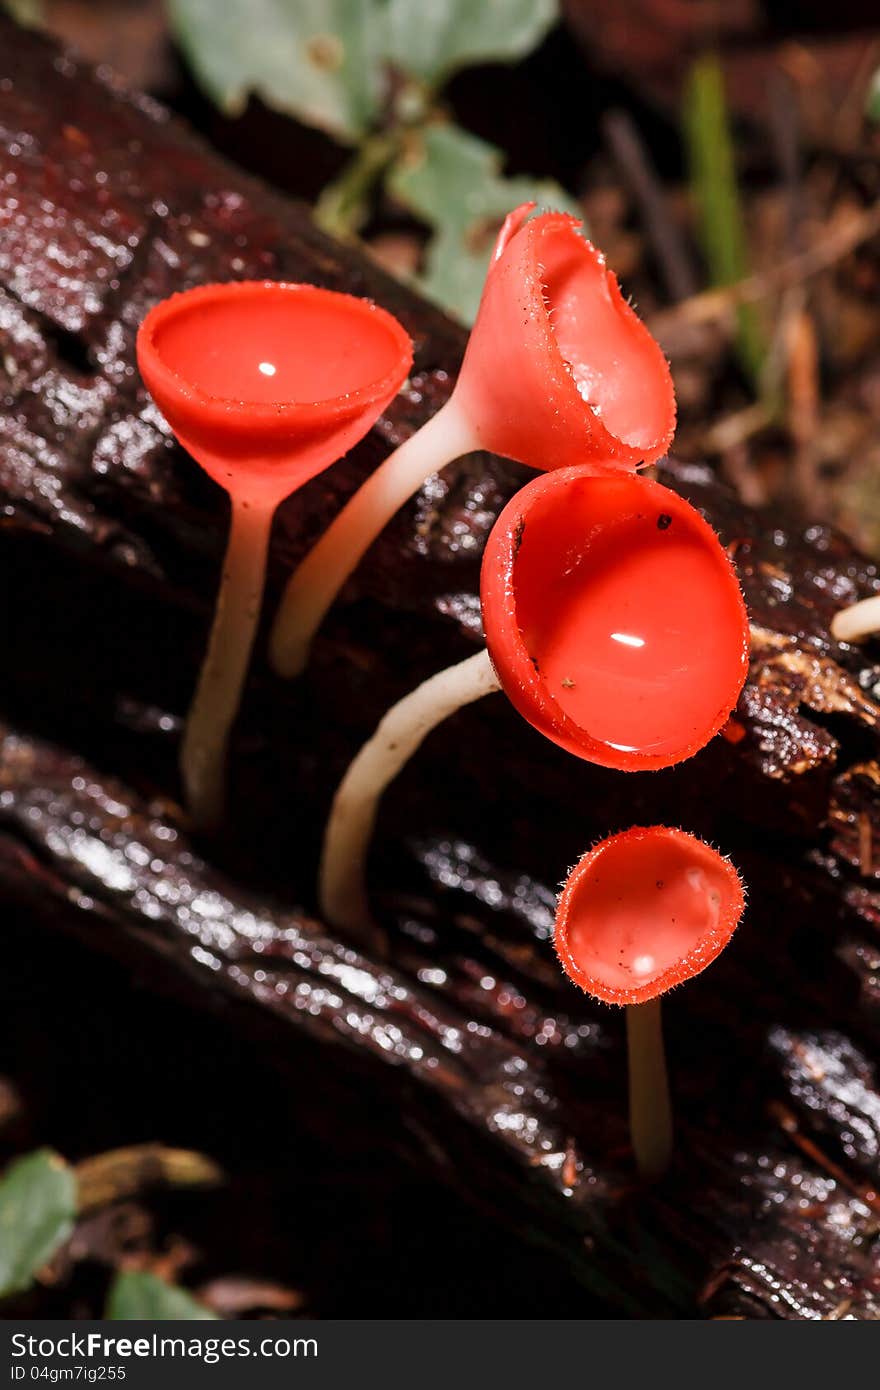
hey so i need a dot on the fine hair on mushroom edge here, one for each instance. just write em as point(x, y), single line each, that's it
point(559, 370)
point(640, 913)
point(614, 623)
point(265, 384)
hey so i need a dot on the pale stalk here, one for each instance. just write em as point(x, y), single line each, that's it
point(650, 1112)
point(314, 585)
point(218, 693)
point(857, 621)
point(342, 885)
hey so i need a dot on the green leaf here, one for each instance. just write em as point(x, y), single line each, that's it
point(715, 188)
point(432, 40)
point(872, 106)
point(453, 181)
point(342, 207)
point(145, 1298)
point(37, 1210)
point(26, 12)
point(320, 60)
point(327, 61)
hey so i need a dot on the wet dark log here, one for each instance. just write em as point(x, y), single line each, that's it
point(496, 1087)
point(503, 1078)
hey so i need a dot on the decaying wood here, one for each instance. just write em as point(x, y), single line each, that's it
point(508, 1082)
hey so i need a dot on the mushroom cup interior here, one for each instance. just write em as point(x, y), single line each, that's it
point(618, 367)
point(630, 628)
point(275, 344)
point(643, 911)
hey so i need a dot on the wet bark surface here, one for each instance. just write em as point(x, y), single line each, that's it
point(500, 1075)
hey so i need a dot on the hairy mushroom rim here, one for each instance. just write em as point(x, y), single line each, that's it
point(641, 912)
point(616, 365)
point(614, 618)
point(644, 911)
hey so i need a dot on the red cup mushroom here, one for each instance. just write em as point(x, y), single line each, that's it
point(265, 384)
point(614, 623)
point(614, 618)
point(559, 370)
point(641, 912)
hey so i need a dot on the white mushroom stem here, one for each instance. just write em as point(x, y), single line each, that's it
point(342, 886)
point(857, 621)
point(314, 585)
point(650, 1112)
point(218, 693)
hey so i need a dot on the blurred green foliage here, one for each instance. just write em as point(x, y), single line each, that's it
point(370, 73)
point(716, 191)
point(453, 181)
point(327, 61)
point(142, 1297)
point(27, 12)
point(37, 1210)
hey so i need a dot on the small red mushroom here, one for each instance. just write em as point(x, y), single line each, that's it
point(559, 370)
point(615, 625)
point(614, 618)
point(265, 384)
point(641, 912)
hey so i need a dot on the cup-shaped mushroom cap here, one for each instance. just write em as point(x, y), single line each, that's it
point(614, 618)
point(643, 911)
point(559, 368)
point(266, 384)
